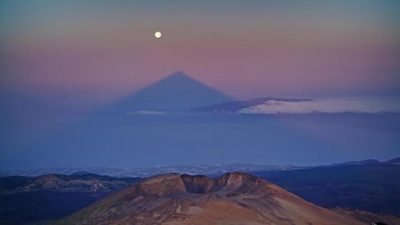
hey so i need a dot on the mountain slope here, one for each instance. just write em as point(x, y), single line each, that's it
point(232, 199)
point(177, 91)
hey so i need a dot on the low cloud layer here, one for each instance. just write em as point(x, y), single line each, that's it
point(146, 112)
point(343, 105)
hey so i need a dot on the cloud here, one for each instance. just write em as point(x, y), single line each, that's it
point(343, 105)
point(146, 112)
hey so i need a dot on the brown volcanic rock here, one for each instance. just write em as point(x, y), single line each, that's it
point(233, 199)
point(197, 184)
point(161, 186)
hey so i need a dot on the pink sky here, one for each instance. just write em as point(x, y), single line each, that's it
point(246, 55)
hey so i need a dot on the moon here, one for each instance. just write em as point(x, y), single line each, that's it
point(157, 34)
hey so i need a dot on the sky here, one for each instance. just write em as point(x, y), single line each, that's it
point(101, 50)
point(60, 59)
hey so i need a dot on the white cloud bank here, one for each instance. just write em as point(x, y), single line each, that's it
point(146, 112)
point(343, 105)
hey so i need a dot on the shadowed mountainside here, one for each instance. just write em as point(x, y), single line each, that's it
point(364, 185)
point(367, 217)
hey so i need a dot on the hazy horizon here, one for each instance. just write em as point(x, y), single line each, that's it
point(142, 130)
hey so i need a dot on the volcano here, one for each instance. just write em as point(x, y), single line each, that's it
point(232, 199)
point(177, 91)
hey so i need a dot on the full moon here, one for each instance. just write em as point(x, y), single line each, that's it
point(157, 34)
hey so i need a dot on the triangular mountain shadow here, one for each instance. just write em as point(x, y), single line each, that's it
point(175, 92)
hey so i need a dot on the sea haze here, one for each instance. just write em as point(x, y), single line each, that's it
point(133, 132)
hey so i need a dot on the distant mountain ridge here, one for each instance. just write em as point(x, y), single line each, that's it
point(371, 162)
point(190, 169)
point(177, 91)
point(27, 200)
point(82, 182)
point(150, 171)
point(235, 106)
point(394, 161)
